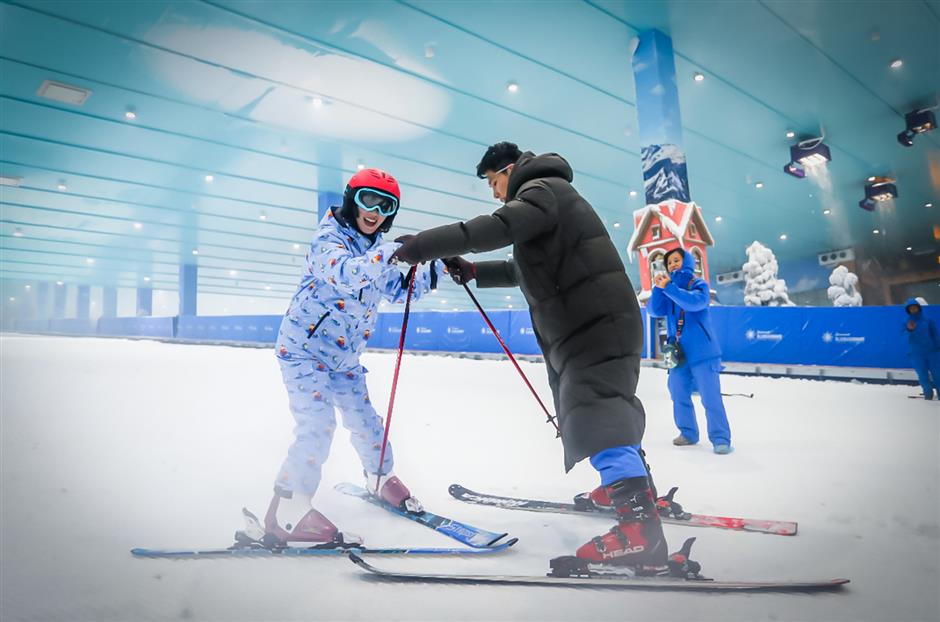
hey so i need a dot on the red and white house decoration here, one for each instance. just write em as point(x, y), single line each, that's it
point(663, 226)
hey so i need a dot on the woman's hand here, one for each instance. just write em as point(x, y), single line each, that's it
point(661, 279)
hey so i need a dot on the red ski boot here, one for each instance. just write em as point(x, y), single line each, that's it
point(637, 539)
point(393, 492)
point(291, 518)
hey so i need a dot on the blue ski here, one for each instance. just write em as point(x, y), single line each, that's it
point(300, 551)
point(467, 534)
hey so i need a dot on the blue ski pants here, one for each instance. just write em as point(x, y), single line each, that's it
point(927, 366)
point(314, 393)
point(619, 462)
point(703, 375)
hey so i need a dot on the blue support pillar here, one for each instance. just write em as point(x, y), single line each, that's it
point(187, 288)
point(58, 301)
point(325, 200)
point(109, 302)
point(42, 300)
point(658, 119)
point(144, 301)
point(83, 302)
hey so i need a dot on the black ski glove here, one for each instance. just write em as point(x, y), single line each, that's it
point(461, 270)
point(408, 252)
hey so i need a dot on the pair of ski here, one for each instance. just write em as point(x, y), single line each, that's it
point(567, 571)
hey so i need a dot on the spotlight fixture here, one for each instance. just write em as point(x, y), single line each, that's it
point(806, 154)
point(881, 189)
point(827, 211)
point(791, 134)
point(897, 63)
point(717, 218)
point(917, 122)
point(512, 87)
point(698, 77)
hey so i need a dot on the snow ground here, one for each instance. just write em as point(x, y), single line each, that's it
point(111, 444)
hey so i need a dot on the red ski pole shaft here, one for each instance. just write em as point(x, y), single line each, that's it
point(401, 348)
point(511, 358)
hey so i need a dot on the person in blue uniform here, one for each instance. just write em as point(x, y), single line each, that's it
point(923, 348)
point(683, 300)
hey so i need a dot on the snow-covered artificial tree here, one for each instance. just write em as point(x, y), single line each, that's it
point(843, 290)
point(762, 288)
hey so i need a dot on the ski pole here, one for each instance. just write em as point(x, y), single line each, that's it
point(747, 395)
point(486, 318)
point(391, 399)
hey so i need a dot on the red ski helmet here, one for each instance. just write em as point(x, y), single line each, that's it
point(369, 178)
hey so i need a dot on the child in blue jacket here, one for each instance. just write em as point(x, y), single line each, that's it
point(326, 328)
point(923, 348)
point(680, 297)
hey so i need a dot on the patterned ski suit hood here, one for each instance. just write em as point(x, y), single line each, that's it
point(334, 311)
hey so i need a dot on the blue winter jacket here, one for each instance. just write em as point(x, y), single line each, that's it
point(924, 339)
point(685, 292)
point(334, 311)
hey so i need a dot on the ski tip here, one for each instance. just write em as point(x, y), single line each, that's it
point(495, 541)
point(139, 552)
point(508, 543)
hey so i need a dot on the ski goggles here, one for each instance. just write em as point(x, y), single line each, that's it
point(373, 200)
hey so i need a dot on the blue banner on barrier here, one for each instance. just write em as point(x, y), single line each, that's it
point(162, 327)
point(251, 328)
point(522, 336)
point(31, 326)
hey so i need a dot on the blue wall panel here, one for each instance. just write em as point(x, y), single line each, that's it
point(522, 337)
point(74, 326)
point(252, 328)
point(160, 327)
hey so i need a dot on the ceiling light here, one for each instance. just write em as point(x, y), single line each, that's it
point(28, 287)
point(12, 299)
point(60, 283)
point(910, 248)
point(267, 288)
point(917, 122)
point(61, 186)
point(429, 51)
point(360, 166)
point(443, 302)
point(791, 134)
point(616, 225)
point(827, 211)
point(508, 297)
point(233, 272)
point(783, 236)
point(717, 218)
point(509, 255)
point(317, 102)
point(897, 63)
point(698, 77)
point(296, 247)
point(62, 92)
point(89, 260)
point(510, 306)
point(882, 190)
point(10, 181)
point(209, 178)
point(872, 178)
point(195, 251)
point(633, 193)
point(512, 87)
point(146, 279)
point(263, 216)
point(875, 231)
point(928, 204)
point(805, 154)
point(130, 115)
point(138, 226)
point(17, 233)
point(759, 185)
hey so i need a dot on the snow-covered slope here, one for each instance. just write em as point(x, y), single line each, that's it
point(111, 444)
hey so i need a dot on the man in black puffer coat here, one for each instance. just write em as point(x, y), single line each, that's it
point(587, 322)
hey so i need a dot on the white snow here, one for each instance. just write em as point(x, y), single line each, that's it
point(761, 285)
point(843, 288)
point(112, 444)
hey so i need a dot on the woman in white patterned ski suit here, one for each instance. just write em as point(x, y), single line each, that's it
point(322, 336)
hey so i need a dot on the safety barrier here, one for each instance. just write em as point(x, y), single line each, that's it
point(835, 337)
